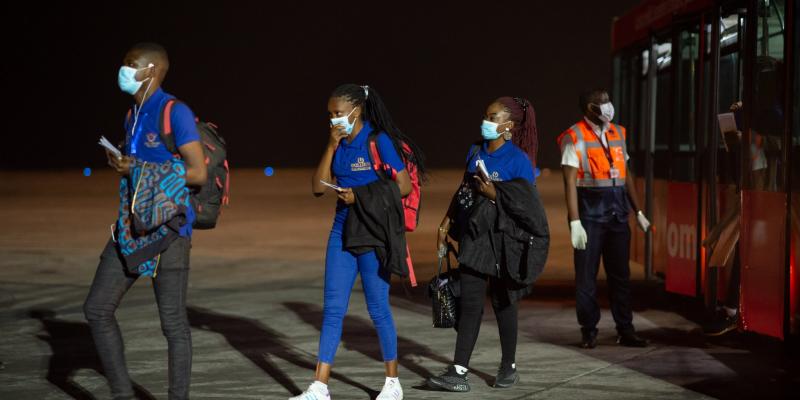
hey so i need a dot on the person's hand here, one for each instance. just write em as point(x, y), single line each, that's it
point(642, 221)
point(577, 235)
point(735, 106)
point(486, 188)
point(347, 196)
point(337, 134)
point(122, 164)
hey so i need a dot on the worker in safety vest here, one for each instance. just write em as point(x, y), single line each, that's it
point(600, 193)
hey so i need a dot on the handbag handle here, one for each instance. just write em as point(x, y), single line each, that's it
point(450, 249)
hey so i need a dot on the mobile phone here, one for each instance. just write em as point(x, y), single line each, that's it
point(332, 186)
point(482, 171)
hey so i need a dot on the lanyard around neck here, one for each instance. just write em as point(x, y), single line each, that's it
point(606, 147)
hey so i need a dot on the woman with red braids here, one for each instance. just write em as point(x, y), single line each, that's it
point(501, 228)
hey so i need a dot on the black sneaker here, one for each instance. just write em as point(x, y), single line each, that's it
point(506, 376)
point(450, 381)
point(721, 326)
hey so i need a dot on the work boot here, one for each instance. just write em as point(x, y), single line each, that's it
point(588, 338)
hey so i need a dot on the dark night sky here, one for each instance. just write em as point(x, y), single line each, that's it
point(262, 70)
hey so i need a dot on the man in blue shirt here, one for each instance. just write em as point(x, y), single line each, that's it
point(144, 68)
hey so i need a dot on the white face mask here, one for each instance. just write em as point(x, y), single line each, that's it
point(606, 112)
point(345, 122)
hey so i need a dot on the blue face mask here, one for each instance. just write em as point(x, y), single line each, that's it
point(126, 79)
point(489, 130)
point(345, 122)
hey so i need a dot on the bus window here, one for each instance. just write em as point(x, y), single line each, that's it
point(730, 30)
point(728, 81)
point(684, 119)
point(664, 112)
point(767, 167)
point(625, 98)
point(641, 90)
point(729, 95)
point(730, 71)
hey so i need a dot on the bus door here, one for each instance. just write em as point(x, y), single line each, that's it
point(762, 245)
point(723, 89)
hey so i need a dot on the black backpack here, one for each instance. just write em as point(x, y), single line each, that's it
point(207, 201)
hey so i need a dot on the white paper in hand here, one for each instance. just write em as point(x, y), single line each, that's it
point(110, 147)
point(727, 123)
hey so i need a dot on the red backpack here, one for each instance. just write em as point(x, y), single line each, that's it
point(411, 202)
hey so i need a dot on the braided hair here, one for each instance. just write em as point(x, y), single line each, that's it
point(374, 111)
point(525, 135)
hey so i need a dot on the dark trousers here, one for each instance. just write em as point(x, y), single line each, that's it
point(473, 296)
point(611, 241)
point(111, 282)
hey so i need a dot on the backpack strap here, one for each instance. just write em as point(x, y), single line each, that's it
point(384, 171)
point(165, 123)
point(411, 276)
point(473, 151)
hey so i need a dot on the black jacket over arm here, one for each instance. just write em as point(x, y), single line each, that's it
point(509, 239)
point(376, 222)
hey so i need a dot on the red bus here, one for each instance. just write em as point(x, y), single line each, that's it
point(708, 90)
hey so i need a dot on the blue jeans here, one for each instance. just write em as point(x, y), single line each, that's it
point(341, 268)
point(111, 282)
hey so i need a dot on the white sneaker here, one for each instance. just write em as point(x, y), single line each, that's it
point(315, 391)
point(391, 391)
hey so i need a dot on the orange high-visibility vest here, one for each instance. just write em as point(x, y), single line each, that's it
point(594, 169)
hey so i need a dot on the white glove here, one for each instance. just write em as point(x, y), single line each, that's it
point(577, 234)
point(644, 224)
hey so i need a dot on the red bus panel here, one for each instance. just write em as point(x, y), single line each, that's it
point(650, 16)
point(681, 235)
point(762, 249)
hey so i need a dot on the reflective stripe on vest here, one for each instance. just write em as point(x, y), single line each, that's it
point(580, 150)
point(599, 176)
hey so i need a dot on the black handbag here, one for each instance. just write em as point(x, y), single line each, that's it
point(444, 290)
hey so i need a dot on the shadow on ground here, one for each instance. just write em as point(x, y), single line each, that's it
point(72, 350)
point(259, 343)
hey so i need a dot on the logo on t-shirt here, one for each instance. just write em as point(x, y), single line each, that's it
point(151, 140)
point(360, 165)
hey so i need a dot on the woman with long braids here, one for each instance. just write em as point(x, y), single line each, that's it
point(502, 232)
point(358, 119)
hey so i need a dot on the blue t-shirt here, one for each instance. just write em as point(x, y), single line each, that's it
point(506, 163)
point(145, 143)
point(351, 162)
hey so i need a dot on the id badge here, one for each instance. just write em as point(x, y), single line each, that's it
point(614, 173)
